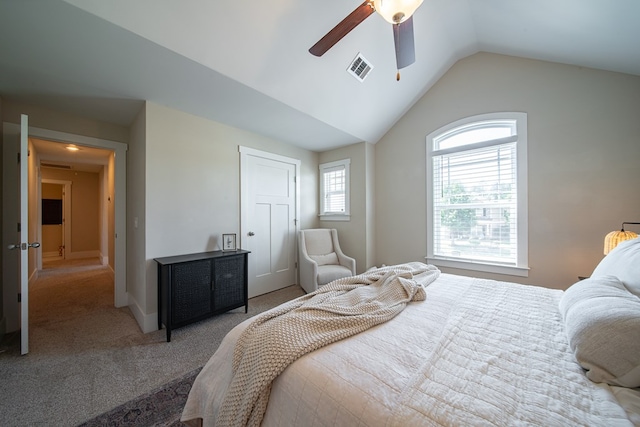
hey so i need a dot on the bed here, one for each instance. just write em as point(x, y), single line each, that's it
point(468, 351)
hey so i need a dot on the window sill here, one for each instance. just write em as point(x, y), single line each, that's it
point(335, 217)
point(477, 266)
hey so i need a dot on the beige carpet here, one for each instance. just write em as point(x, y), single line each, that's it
point(87, 357)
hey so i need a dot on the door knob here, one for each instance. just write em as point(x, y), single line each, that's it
point(251, 233)
point(24, 246)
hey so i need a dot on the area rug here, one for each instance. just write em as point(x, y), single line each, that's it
point(160, 407)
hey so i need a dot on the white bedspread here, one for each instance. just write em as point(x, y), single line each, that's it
point(476, 352)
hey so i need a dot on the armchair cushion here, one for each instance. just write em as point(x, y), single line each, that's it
point(329, 273)
point(318, 241)
point(331, 258)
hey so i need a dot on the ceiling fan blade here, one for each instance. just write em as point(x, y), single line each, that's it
point(343, 28)
point(405, 46)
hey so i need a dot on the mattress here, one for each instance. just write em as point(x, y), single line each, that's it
point(475, 352)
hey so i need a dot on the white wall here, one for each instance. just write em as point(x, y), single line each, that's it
point(583, 151)
point(189, 183)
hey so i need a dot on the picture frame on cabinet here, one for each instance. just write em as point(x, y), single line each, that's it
point(229, 242)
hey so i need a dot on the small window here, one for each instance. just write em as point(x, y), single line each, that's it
point(477, 194)
point(334, 191)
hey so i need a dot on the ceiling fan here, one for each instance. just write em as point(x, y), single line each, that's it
point(397, 12)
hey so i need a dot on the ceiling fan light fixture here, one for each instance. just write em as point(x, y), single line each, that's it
point(396, 11)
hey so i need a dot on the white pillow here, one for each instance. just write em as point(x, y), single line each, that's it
point(327, 259)
point(602, 323)
point(624, 263)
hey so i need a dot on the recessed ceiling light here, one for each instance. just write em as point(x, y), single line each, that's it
point(72, 147)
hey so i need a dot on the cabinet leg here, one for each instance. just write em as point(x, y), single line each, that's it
point(168, 334)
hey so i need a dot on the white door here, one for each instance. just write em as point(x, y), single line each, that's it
point(268, 219)
point(23, 245)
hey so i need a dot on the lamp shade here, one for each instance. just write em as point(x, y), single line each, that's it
point(396, 11)
point(612, 239)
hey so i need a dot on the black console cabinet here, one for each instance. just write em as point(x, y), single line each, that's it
point(196, 286)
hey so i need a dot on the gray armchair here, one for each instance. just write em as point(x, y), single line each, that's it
point(321, 259)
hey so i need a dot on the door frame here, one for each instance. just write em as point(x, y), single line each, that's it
point(245, 210)
point(121, 298)
point(66, 215)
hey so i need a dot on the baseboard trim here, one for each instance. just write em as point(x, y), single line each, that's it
point(146, 322)
point(54, 254)
point(84, 254)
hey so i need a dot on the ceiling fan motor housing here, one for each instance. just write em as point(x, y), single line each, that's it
point(398, 17)
point(396, 11)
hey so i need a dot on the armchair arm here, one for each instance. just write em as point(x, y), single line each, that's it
point(344, 260)
point(308, 268)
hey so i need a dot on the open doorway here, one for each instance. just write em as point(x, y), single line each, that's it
point(75, 272)
point(56, 215)
point(96, 169)
point(75, 203)
point(111, 193)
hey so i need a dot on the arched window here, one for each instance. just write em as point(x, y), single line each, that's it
point(477, 194)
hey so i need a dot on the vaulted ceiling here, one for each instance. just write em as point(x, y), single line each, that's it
point(246, 63)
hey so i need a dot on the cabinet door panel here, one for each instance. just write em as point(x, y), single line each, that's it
point(191, 290)
point(228, 284)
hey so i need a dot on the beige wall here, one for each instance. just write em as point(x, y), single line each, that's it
point(136, 210)
point(52, 191)
point(183, 187)
point(110, 192)
point(45, 118)
point(353, 234)
point(370, 203)
point(583, 151)
point(85, 236)
point(136, 199)
point(33, 213)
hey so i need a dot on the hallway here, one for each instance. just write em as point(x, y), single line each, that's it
point(71, 305)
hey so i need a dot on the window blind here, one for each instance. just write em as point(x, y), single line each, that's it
point(334, 189)
point(475, 204)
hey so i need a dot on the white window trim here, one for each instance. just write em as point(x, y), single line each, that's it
point(521, 268)
point(346, 216)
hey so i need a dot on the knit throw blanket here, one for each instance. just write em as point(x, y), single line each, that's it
point(340, 309)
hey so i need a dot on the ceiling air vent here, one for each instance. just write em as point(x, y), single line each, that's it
point(53, 165)
point(360, 67)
